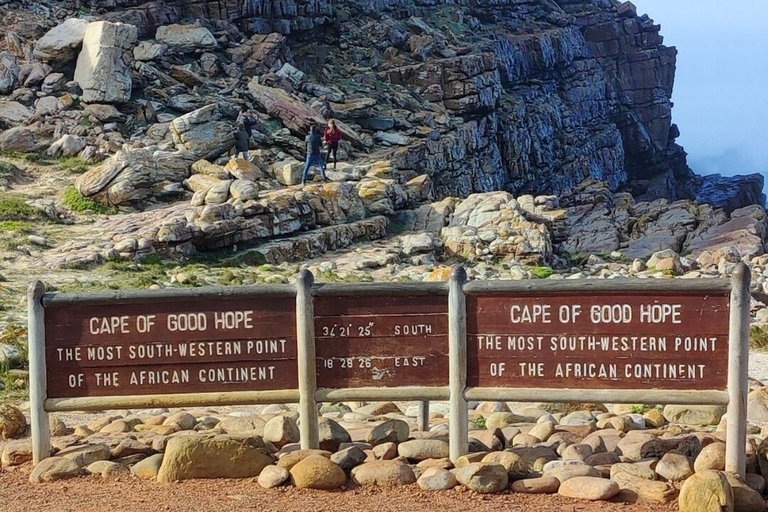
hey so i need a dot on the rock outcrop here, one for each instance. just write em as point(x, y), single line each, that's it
point(102, 67)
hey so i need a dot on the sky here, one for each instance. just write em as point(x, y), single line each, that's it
point(720, 96)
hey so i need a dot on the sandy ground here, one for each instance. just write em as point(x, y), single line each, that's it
point(92, 494)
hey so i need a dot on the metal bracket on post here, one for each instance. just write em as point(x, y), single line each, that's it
point(305, 338)
point(38, 386)
point(457, 361)
point(738, 372)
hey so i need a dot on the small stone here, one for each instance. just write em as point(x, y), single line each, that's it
point(383, 473)
point(635, 489)
point(349, 458)
point(577, 452)
point(541, 485)
point(181, 421)
point(637, 470)
point(54, 468)
point(436, 479)
point(385, 451)
point(85, 455)
point(421, 449)
point(13, 424)
point(589, 488)
point(512, 462)
point(542, 430)
point(332, 435)
point(503, 419)
point(16, 452)
point(317, 472)
point(57, 427)
point(281, 430)
point(148, 468)
point(674, 467)
point(273, 476)
point(565, 473)
point(483, 477)
point(745, 499)
point(392, 431)
point(289, 460)
point(706, 491)
point(711, 456)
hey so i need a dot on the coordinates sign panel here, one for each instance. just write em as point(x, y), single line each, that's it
point(219, 345)
point(379, 341)
point(599, 341)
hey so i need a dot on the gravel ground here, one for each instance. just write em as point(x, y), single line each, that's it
point(92, 494)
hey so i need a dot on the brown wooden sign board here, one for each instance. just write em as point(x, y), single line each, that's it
point(599, 341)
point(170, 347)
point(381, 341)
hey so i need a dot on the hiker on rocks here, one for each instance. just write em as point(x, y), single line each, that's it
point(242, 142)
point(246, 119)
point(332, 136)
point(313, 142)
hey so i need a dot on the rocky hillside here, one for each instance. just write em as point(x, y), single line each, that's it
point(504, 132)
point(526, 96)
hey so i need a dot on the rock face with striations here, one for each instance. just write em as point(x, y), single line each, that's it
point(102, 67)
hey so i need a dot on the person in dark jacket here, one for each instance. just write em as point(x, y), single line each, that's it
point(242, 143)
point(332, 136)
point(246, 119)
point(313, 142)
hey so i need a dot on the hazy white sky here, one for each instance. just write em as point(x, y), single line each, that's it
point(721, 86)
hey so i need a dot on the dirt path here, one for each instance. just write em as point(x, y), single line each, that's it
point(92, 494)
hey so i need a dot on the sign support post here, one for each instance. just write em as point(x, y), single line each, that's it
point(38, 392)
point(305, 334)
point(738, 372)
point(424, 416)
point(457, 360)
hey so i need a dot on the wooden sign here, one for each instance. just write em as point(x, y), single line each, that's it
point(598, 341)
point(381, 341)
point(171, 346)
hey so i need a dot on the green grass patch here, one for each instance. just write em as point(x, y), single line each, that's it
point(15, 208)
point(73, 164)
point(73, 200)
point(758, 338)
point(15, 226)
point(479, 422)
point(542, 272)
point(329, 276)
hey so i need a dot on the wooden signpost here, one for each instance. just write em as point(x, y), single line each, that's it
point(614, 341)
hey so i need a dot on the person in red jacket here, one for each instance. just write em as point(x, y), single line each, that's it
point(332, 136)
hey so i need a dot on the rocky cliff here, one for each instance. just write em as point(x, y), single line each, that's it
point(525, 96)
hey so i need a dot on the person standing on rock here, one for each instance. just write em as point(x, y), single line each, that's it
point(242, 143)
point(332, 137)
point(246, 119)
point(313, 142)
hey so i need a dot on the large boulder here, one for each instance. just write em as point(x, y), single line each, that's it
point(60, 44)
point(103, 65)
point(67, 145)
point(483, 477)
point(694, 414)
point(135, 176)
point(708, 491)
point(494, 225)
point(9, 73)
point(19, 139)
point(54, 468)
point(317, 472)
point(186, 38)
point(202, 133)
point(218, 456)
point(383, 473)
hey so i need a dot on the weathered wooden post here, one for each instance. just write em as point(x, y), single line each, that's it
point(457, 360)
point(305, 333)
point(738, 372)
point(38, 386)
point(424, 416)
